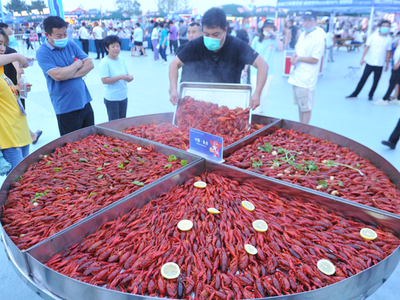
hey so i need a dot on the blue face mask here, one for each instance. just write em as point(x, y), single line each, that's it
point(61, 43)
point(247, 26)
point(309, 30)
point(384, 30)
point(212, 44)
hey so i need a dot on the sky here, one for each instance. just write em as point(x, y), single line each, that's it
point(151, 5)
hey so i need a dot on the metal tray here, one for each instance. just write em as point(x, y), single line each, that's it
point(60, 142)
point(377, 160)
point(228, 94)
point(359, 286)
point(122, 124)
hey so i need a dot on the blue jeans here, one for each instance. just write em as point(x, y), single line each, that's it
point(15, 155)
point(116, 109)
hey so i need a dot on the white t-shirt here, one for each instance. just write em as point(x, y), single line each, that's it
point(112, 32)
point(313, 45)
point(396, 55)
point(98, 32)
point(378, 47)
point(38, 29)
point(357, 37)
point(111, 68)
point(138, 34)
point(83, 33)
point(154, 34)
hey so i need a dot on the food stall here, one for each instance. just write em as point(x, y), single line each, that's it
point(121, 211)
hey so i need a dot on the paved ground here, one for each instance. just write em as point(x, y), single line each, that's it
point(148, 93)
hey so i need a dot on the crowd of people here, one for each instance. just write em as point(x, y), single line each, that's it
point(212, 50)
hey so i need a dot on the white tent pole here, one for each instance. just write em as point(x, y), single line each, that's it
point(331, 21)
point(371, 21)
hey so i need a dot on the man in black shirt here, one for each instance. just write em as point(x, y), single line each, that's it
point(293, 33)
point(217, 57)
point(195, 30)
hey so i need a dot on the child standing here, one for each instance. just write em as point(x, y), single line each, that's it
point(114, 75)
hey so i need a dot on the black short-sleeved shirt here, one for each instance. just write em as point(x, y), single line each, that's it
point(224, 66)
point(9, 69)
point(243, 35)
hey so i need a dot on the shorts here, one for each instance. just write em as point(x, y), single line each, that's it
point(304, 98)
point(138, 43)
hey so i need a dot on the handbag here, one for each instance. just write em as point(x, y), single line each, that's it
point(145, 44)
point(158, 46)
point(5, 166)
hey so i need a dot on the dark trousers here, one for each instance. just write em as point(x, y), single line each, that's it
point(39, 38)
point(28, 44)
point(394, 137)
point(163, 52)
point(182, 42)
point(173, 44)
point(99, 47)
point(116, 109)
point(85, 46)
point(75, 120)
point(367, 71)
point(394, 79)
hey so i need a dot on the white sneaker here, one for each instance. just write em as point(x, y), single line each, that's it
point(381, 102)
point(165, 63)
point(395, 102)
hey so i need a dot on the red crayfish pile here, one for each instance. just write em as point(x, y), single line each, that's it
point(231, 124)
point(318, 164)
point(76, 181)
point(127, 254)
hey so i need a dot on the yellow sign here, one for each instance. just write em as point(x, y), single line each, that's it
point(46, 11)
point(16, 14)
point(35, 11)
point(24, 13)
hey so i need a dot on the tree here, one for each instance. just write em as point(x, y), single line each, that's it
point(136, 8)
point(168, 5)
point(16, 6)
point(125, 6)
point(37, 4)
point(185, 6)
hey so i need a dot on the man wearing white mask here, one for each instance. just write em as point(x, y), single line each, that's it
point(306, 61)
point(218, 57)
point(376, 54)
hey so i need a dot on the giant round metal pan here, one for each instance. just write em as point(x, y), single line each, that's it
point(53, 285)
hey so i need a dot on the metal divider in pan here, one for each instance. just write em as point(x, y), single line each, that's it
point(228, 94)
point(355, 287)
point(377, 160)
point(49, 148)
point(122, 124)
point(258, 119)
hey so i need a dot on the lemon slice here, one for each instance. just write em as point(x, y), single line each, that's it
point(200, 184)
point(250, 249)
point(260, 225)
point(248, 205)
point(326, 267)
point(185, 225)
point(368, 234)
point(213, 211)
point(170, 270)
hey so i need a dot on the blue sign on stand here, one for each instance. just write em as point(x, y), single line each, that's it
point(207, 145)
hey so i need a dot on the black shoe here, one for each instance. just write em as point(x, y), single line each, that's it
point(351, 97)
point(97, 58)
point(370, 98)
point(389, 144)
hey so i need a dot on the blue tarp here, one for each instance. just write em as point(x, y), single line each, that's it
point(10, 19)
point(341, 5)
